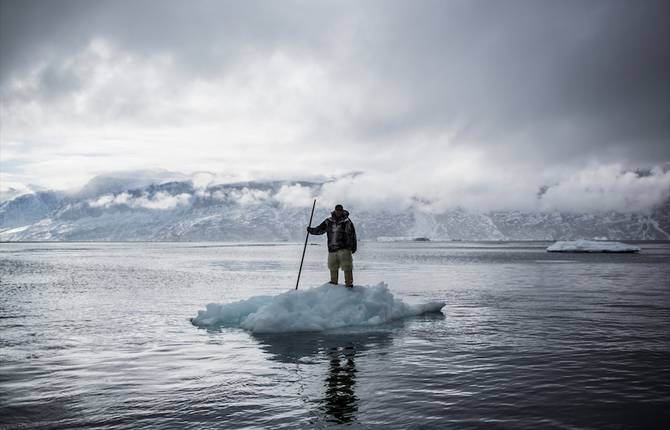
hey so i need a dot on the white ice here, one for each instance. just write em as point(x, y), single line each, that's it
point(591, 246)
point(315, 309)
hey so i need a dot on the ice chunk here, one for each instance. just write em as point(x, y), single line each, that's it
point(591, 246)
point(315, 309)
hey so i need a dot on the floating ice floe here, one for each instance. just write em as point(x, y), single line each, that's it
point(591, 246)
point(402, 239)
point(315, 309)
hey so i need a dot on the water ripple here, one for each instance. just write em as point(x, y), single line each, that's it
point(97, 335)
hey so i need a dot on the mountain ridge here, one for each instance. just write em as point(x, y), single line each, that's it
point(178, 210)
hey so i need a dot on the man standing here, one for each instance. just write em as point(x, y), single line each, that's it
point(341, 244)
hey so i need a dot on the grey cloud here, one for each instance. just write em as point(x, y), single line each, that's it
point(583, 76)
point(206, 35)
point(600, 67)
point(528, 83)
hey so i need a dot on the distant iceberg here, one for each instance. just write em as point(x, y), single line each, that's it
point(591, 246)
point(402, 239)
point(313, 310)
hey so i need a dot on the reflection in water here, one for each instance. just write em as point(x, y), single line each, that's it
point(340, 351)
point(340, 401)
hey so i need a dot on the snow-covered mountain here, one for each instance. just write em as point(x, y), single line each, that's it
point(111, 208)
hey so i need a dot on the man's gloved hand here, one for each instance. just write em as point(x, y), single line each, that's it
point(308, 229)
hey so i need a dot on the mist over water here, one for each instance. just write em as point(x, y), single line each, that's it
point(98, 335)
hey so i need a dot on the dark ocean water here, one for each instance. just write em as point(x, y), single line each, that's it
point(97, 335)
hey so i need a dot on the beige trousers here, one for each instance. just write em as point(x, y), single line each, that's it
point(341, 259)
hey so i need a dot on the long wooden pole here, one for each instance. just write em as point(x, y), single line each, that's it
point(305, 247)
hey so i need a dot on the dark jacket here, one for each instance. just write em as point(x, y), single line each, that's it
point(341, 232)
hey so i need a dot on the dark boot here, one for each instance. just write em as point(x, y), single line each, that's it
point(333, 276)
point(349, 278)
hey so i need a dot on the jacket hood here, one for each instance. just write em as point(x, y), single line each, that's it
point(345, 215)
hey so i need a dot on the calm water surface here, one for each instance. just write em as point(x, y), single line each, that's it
point(98, 335)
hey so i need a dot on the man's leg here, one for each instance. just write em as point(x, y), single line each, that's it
point(349, 278)
point(347, 263)
point(334, 276)
point(333, 266)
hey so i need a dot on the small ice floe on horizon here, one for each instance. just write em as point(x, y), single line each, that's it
point(402, 239)
point(591, 246)
point(313, 310)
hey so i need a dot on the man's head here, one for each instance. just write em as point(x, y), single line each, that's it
point(339, 211)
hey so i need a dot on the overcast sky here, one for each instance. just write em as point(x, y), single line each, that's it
point(456, 103)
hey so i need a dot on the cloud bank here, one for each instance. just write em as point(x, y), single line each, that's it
point(160, 200)
point(523, 105)
point(595, 189)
